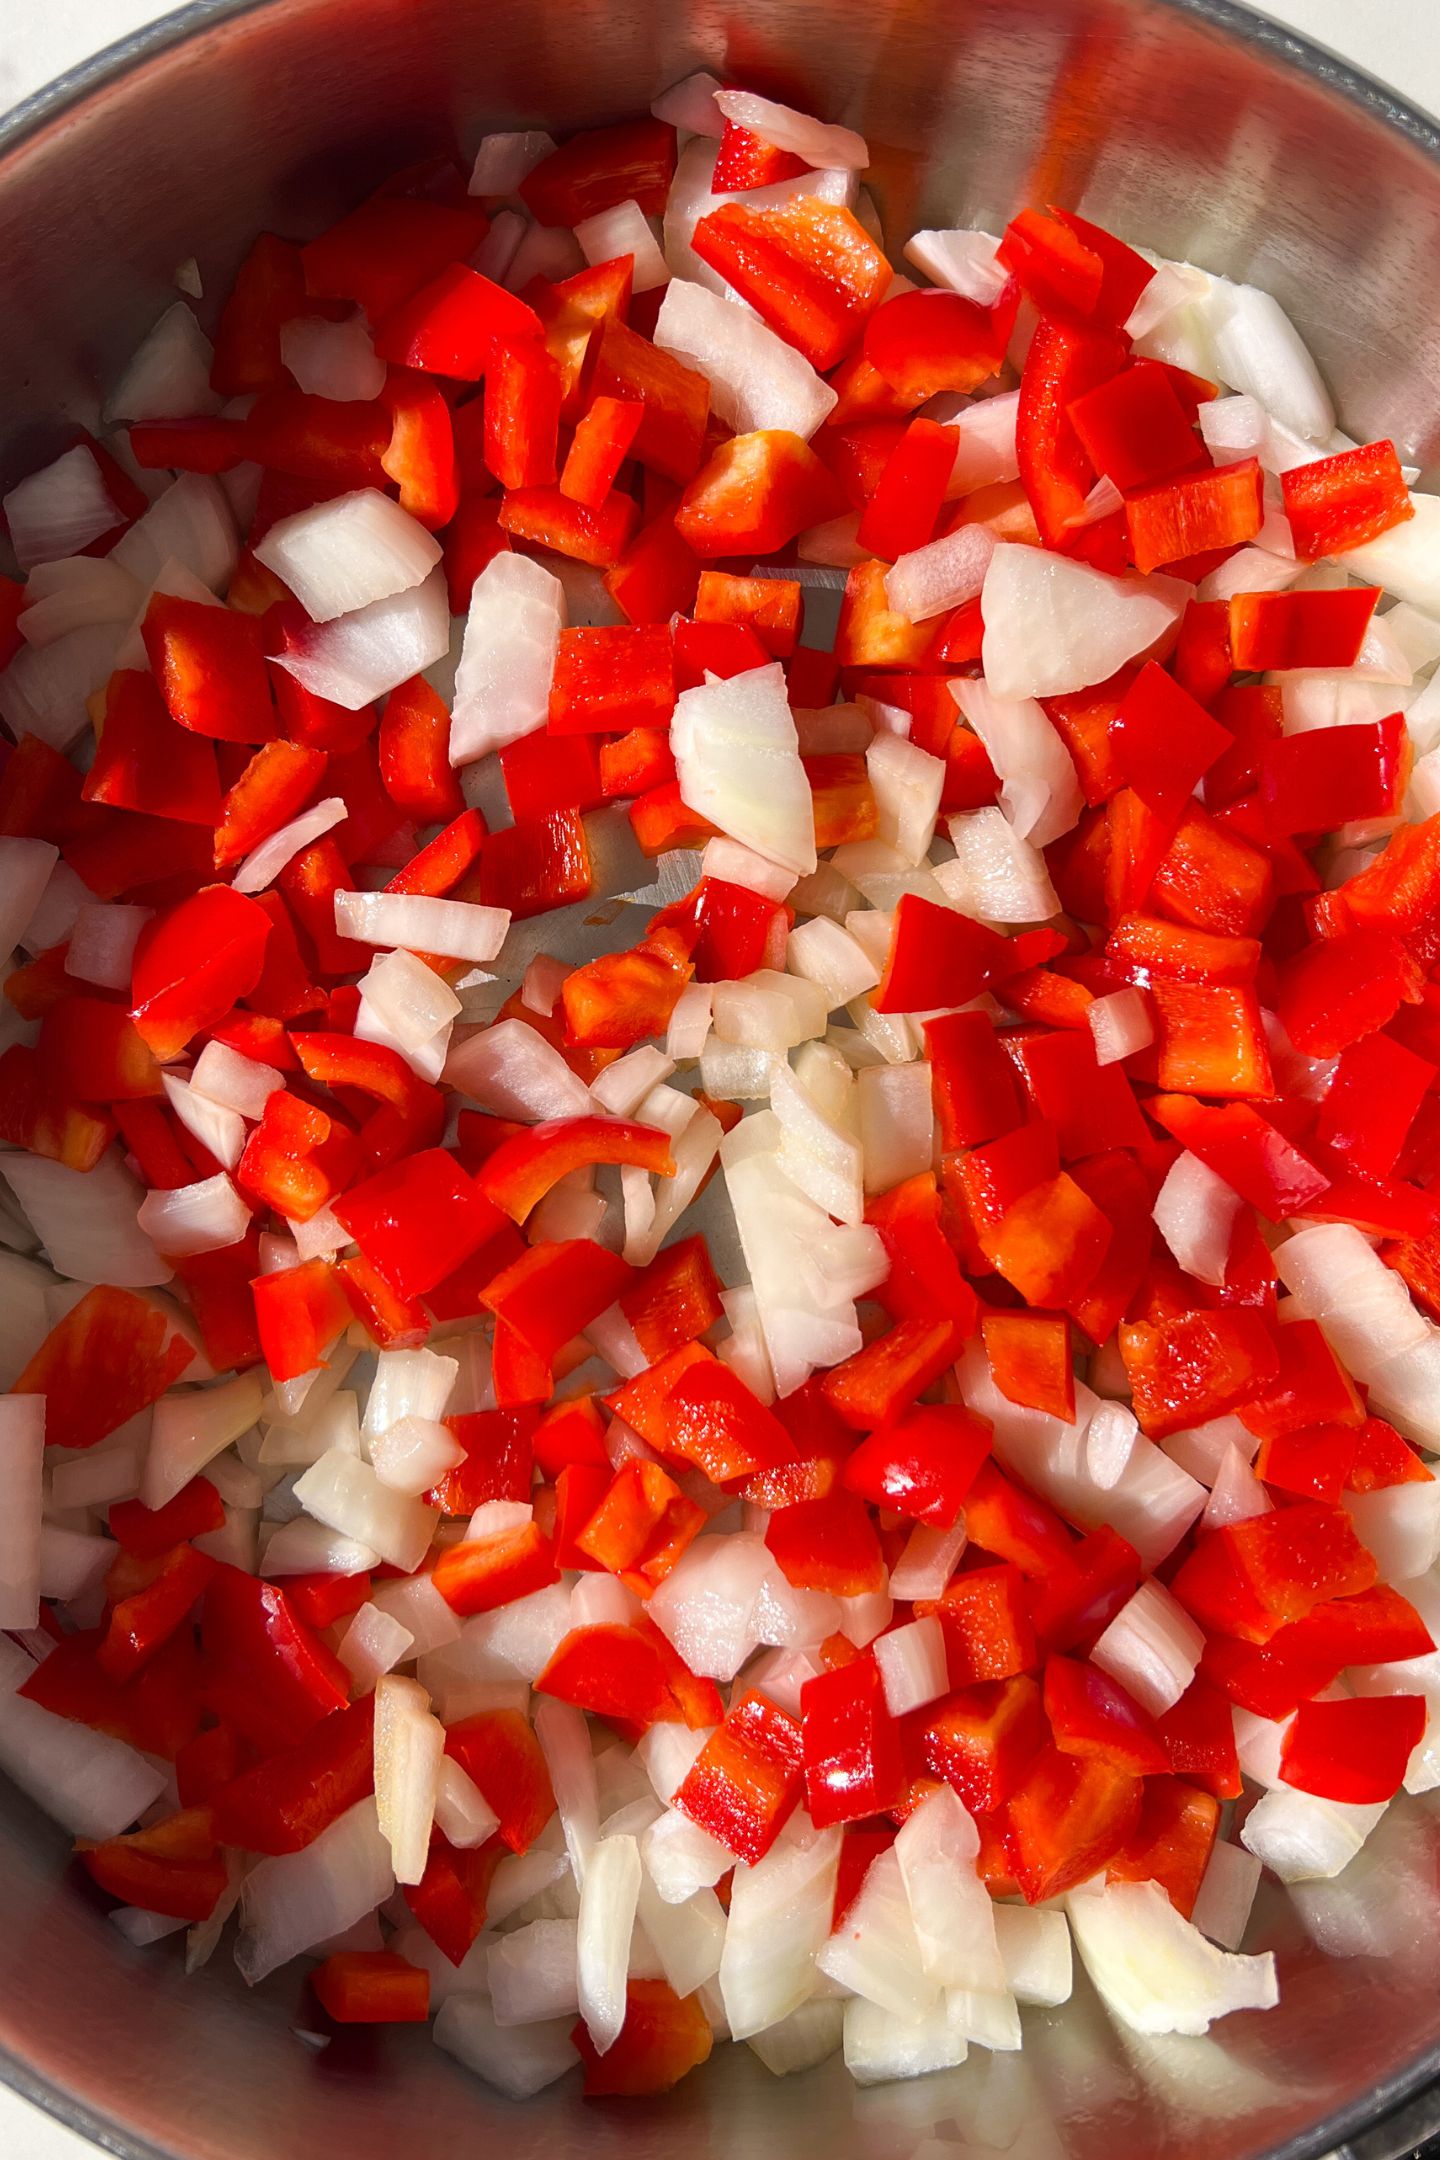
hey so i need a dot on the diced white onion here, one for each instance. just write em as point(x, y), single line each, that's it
point(503, 160)
point(1053, 625)
point(513, 1072)
point(907, 783)
point(344, 554)
point(985, 449)
point(1226, 1894)
point(912, 1665)
point(93, 1785)
point(961, 259)
point(407, 1006)
point(287, 1905)
point(690, 105)
point(346, 1495)
point(1120, 1024)
point(334, 360)
point(608, 1898)
point(738, 760)
point(1034, 1949)
point(876, 1951)
point(189, 1427)
point(219, 1130)
point(374, 1642)
point(1155, 1971)
point(360, 657)
point(1039, 789)
point(1152, 1647)
point(168, 375)
point(456, 929)
point(26, 867)
point(756, 379)
point(1303, 1838)
point(897, 1123)
point(409, 1747)
point(236, 1082)
point(785, 129)
point(518, 2061)
point(1260, 352)
point(941, 575)
point(1195, 1212)
point(59, 510)
point(203, 1217)
point(780, 1913)
point(502, 684)
point(624, 229)
point(192, 525)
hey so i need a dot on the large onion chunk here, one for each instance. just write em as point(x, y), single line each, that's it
point(502, 685)
point(756, 379)
point(1154, 1970)
point(738, 758)
point(1053, 625)
point(341, 555)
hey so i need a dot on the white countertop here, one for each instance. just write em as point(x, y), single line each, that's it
point(44, 37)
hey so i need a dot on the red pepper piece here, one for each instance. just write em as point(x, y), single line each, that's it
point(755, 494)
point(692, 1405)
point(602, 441)
point(217, 1285)
point(822, 1442)
point(418, 1220)
point(573, 1432)
point(1198, 1734)
point(414, 751)
point(612, 677)
point(925, 1279)
point(1134, 428)
point(1050, 1244)
point(421, 456)
point(1030, 1360)
point(472, 539)
point(614, 1672)
point(1171, 1843)
point(371, 1987)
point(982, 1740)
point(635, 159)
point(386, 248)
point(266, 1672)
point(111, 1356)
point(676, 400)
point(535, 867)
point(299, 1312)
point(1252, 1577)
point(723, 649)
point(192, 963)
point(809, 269)
point(923, 1464)
point(1345, 502)
point(1342, 988)
point(497, 1465)
point(283, 1803)
point(549, 519)
point(277, 783)
point(1309, 1386)
point(1164, 740)
point(770, 607)
point(986, 1623)
point(640, 1525)
point(1065, 361)
point(1092, 1715)
point(87, 1045)
point(484, 1573)
point(662, 2040)
point(1313, 782)
point(1196, 1366)
point(158, 1711)
point(1140, 946)
point(500, 1755)
point(1300, 629)
point(746, 161)
point(1068, 1819)
point(1221, 506)
point(1357, 1751)
point(972, 1081)
point(171, 1868)
point(1382, 1458)
point(1006, 1520)
point(392, 1323)
point(1209, 1040)
point(1091, 1106)
point(747, 1780)
point(636, 763)
point(454, 324)
point(296, 1159)
point(656, 575)
point(150, 1599)
point(555, 1290)
point(452, 1895)
point(269, 291)
point(622, 998)
point(143, 761)
point(322, 1600)
point(938, 956)
point(1314, 1461)
point(149, 1533)
point(1252, 1155)
point(205, 1765)
point(330, 443)
point(522, 416)
point(675, 1300)
point(1072, 1609)
point(1201, 660)
point(828, 1544)
point(851, 1745)
point(1052, 264)
point(40, 792)
point(200, 446)
point(877, 1383)
point(1372, 1102)
point(901, 514)
point(660, 821)
point(210, 668)
point(922, 343)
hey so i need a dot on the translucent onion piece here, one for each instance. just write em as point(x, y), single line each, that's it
point(785, 129)
point(985, 450)
point(1302, 1838)
point(373, 1643)
point(93, 1785)
point(456, 929)
point(360, 657)
point(941, 575)
point(289, 1905)
point(168, 375)
point(738, 761)
point(59, 510)
point(513, 1072)
point(950, 1908)
point(1152, 1647)
point(624, 230)
point(876, 1951)
point(1195, 1213)
point(240, 1083)
point(756, 379)
point(962, 259)
point(1405, 560)
point(879, 2046)
point(907, 783)
point(503, 160)
point(191, 525)
point(897, 1123)
point(75, 593)
point(345, 1494)
point(1120, 1024)
point(911, 1659)
point(1053, 625)
point(342, 555)
point(518, 2061)
point(502, 685)
point(25, 871)
point(1226, 1894)
point(1260, 352)
point(189, 1427)
point(1039, 791)
point(996, 876)
point(1156, 1972)
point(219, 1130)
point(565, 1743)
point(195, 1218)
point(1035, 1952)
point(690, 105)
point(780, 1913)
point(608, 1898)
point(409, 1748)
point(332, 359)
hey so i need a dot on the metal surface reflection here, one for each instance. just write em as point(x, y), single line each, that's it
point(1245, 151)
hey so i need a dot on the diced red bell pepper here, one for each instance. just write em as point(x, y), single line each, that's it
point(554, 1290)
point(622, 998)
point(31, 1117)
point(418, 1220)
point(1067, 1820)
point(1091, 1106)
point(322, 1600)
point(143, 761)
point(1198, 1734)
point(1314, 1461)
point(724, 649)
point(454, 324)
point(923, 1464)
point(1092, 1715)
point(1309, 1386)
point(827, 1544)
point(614, 1672)
point(1134, 428)
point(900, 515)
point(770, 607)
point(283, 1803)
point(269, 291)
point(1243, 1147)
point(90, 1046)
point(639, 1527)
point(39, 791)
point(1196, 1366)
point(661, 2041)
point(483, 1573)
point(809, 269)
point(880, 1381)
point(986, 1622)
point(1339, 989)
point(392, 1323)
point(421, 456)
point(172, 1867)
point(747, 1780)
point(532, 868)
point(757, 492)
point(111, 1356)
point(925, 1279)
point(523, 1169)
point(500, 1755)
point(1172, 1841)
point(1006, 1520)
point(594, 170)
point(1030, 1360)
point(278, 781)
point(1372, 1101)
point(1050, 1243)
point(205, 1765)
point(922, 343)
point(972, 1081)
point(296, 1159)
point(657, 574)
point(451, 1898)
point(603, 439)
point(498, 1461)
point(149, 1533)
point(217, 1285)
point(612, 677)
point(1300, 629)
point(1382, 1458)
point(1343, 502)
point(572, 1432)
point(192, 963)
point(745, 160)
point(1220, 506)
point(266, 1672)
point(1313, 782)
point(371, 1987)
point(327, 442)
point(675, 1300)
point(381, 251)
point(414, 750)
point(1251, 1578)
point(546, 518)
point(150, 1599)
point(299, 1312)
point(158, 1711)
point(1164, 740)
point(853, 1762)
point(1356, 1752)
point(210, 666)
point(1209, 1040)
point(472, 539)
point(1064, 363)
point(676, 399)
point(982, 1740)
point(1052, 264)
point(938, 956)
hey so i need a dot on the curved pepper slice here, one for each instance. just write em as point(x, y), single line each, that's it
point(193, 963)
point(522, 1169)
point(171, 1868)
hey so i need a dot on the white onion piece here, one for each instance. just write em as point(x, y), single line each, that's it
point(690, 105)
point(1195, 1212)
point(687, 1938)
point(738, 760)
point(1034, 1948)
point(189, 1427)
point(985, 447)
point(373, 1644)
point(191, 524)
point(927, 1563)
point(413, 1455)
point(1234, 428)
point(1039, 789)
point(503, 160)
point(93, 1785)
point(1405, 560)
point(76, 592)
point(409, 1748)
point(518, 2061)
point(1155, 1971)
point(26, 867)
point(1362, 1305)
point(622, 1087)
point(408, 1006)
point(73, 1563)
point(203, 1217)
point(608, 1898)
point(880, 2047)
point(961, 259)
point(236, 1082)
point(45, 688)
point(1400, 1525)
point(502, 684)
point(1237, 1495)
point(624, 229)
point(290, 1904)
point(825, 953)
point(876, 1951)
point(912, 1665)
point(513, 1072)
point(456, 929)
point(950, 1908)
point(304, 1547)
point(346, 1495)
point(342, 555)
point(168, 375)
point(419, 1606)
point(86, 1219)
point(462, 1813)
point(1152, 1647)
point(681, 1859)
point(360, 657)
point(1120, 1024)
point(333, 360)
point(756, 379)
point(495, 256)
point(995, 875)
point(547, 251)
point(941, 575)
point(22, 1457)
point(1303, 1838)
point(1053, 625)
point(59, 510)
point(1260, 352)
point(768, 1011)
point(264, 863)
point(785, 129)
point(736, 865)
point(779, 1919)
point(532, 1973)
point(897, 1123)
point(907, 783)
point(219, 1130)
point(1226, 1894)
point(565, 1743)
point(818, 1153)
